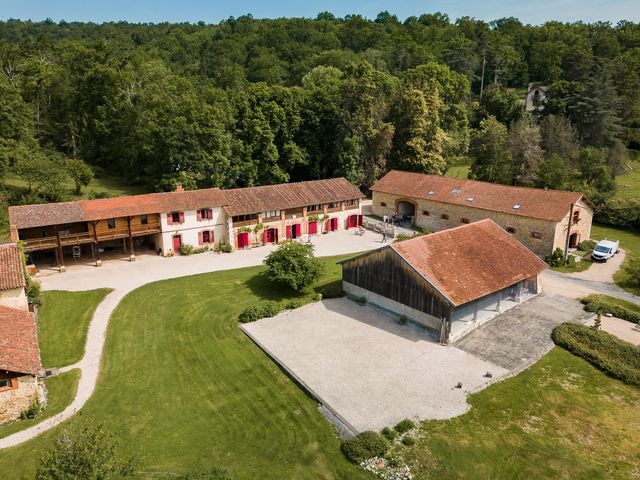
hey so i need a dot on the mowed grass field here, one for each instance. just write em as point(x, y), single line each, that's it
point(185, 389)
point(628, 184)
point(560, 419)
point(629, 242)
point(63, 320)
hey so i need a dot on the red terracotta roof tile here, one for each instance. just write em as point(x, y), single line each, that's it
point(19, 350)
point(248, 200)
point(11, 271)
point(533, 202)
point(470, 261)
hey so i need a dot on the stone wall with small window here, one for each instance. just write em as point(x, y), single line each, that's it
point(540, 236)
point(17, 393)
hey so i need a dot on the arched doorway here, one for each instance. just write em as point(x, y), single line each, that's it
point(574, 240)
point(406, 210)
point(271, 235)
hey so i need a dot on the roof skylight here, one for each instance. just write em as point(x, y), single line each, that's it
point(430, 192)
point(516, 206)
point(456, 191)
point(470, 199)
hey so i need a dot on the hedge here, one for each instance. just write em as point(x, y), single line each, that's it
point(617, 308)
point(613, 356)
point(363, 446)
point(269, 309)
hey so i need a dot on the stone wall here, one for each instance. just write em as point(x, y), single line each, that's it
point(14, 298)
point(15, 400)
point(582, 227)
point(393, 307)
point(540, 236)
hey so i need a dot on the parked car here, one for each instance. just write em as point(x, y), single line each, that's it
point(604, 250)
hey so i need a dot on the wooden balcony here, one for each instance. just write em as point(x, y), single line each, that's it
point(148, 229)
point(42, 243)
point(76, 239)
point(245, 223)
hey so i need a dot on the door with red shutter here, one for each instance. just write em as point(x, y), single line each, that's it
point(289, 231)
point(359, 220)
point(296, 230)
point(177, 243)
point(270, 235)
point(243, 240)
point(334, 224)
point(352, 221)
point(312, 228)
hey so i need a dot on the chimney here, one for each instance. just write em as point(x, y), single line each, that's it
point(179, 188)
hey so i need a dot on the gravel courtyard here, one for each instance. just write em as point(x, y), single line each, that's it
point(367, 369)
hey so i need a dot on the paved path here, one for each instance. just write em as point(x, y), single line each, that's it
point(521, 336)
point(124, 277)
point(602, 271)
point(576, 287)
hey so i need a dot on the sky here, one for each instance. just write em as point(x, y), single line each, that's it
point(212, 11)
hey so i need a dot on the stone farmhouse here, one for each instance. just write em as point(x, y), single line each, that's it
point(542, 220)
point(163, 222)
point(20, 366)
point(449, 282)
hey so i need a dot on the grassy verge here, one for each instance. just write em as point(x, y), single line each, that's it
point(559, 419)
point(629, 242)
point(61, 389)
point(458, 171)
point(628, 184)
point(580, 266)
point(184, 387)
point(63, 321)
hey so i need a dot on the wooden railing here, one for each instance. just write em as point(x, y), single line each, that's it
point(42, 243)
point(145, 229)
point(76, 239)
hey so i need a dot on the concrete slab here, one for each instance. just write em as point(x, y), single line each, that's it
point(367, 369)
point(521, 336)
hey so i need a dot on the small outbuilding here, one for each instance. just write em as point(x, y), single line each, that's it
point(450, 281)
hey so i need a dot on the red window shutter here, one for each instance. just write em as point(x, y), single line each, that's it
point(288, 231)
point(169, 219)
point(14, 383)
point(198, 215)
point(359, 220)
point(210, 213)
point(181, 217)
point(211, 236)
point(200, 238)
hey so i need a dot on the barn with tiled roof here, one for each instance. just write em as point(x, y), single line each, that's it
point(447, 281)
point(541, 219)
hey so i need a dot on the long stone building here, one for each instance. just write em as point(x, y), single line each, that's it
point(542, 220)
point(164, 222)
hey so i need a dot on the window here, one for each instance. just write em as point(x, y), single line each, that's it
point(5, 383)
point(144, 219)
point(271, 213)
point(511, 230)
point(315, 208)
point(175, 217)
point(383, 204)
point(444, 216)
point(334, 204)
point(456, 191)
point(464, 220)
point(205, 214)
point(245, 218)
point(576, 216)
point(470, 199)
point(430, 192)
point(111, 223)
point(207, 237)
point(351, 202)
point(517, 206)
point(426, 213)
point(536, 235)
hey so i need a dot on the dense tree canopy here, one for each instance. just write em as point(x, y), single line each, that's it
point(248, 102)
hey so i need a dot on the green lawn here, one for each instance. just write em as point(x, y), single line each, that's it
point(628, 184)
point(186, 389)
point(629, 241)
point(63, 320)
point(60, 389)
point(458, 171)
point(560, 419)
point(612, 302)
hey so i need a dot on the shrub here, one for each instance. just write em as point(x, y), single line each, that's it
point(404, 426)
point(317, 297)
point(389, 433)
point(261, 310)
point(403, 320)
point(632, 269)
point(223, 247)
point(33, 291)
point(294, 264)
point(571, 261)
point(363, 446)
point(361, 300)
point(587, 245)
point(332, 290)
point(556, 258)
point(408, 440)
point(33, 411)
point(603, 304)
point(613, 356)
point(186, 249)
point(293, 303)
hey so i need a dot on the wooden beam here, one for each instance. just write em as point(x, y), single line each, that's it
point(132, 255)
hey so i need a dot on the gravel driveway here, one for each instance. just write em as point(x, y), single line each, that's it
point(367, 369)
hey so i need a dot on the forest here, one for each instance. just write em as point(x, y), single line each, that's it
point(250, 102)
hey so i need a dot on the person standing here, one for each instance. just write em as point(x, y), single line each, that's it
point(384, 236)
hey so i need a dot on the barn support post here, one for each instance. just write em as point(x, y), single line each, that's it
point(61, 267)
point(132, 254)
point(95, 243)
point(566, 242)
point(499, 308)
point(475, 310)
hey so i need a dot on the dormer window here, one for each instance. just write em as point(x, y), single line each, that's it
point(517, 206)
point(456, 191)
point(470, 199)
point(430, 192)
